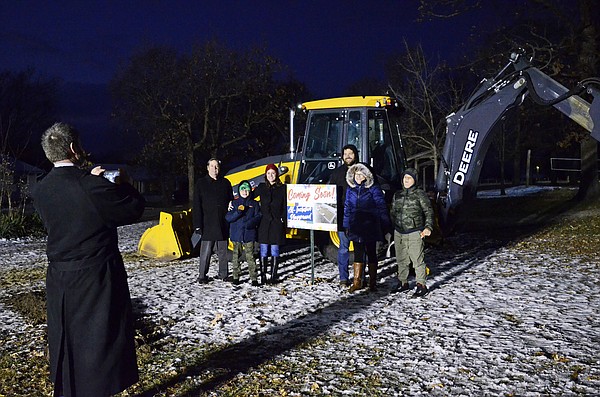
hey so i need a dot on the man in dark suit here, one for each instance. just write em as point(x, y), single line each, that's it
point(212, 195)
point(90, 322)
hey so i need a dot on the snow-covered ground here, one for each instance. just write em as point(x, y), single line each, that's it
point(499, 320)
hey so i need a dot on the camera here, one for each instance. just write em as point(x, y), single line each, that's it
point(111, 175)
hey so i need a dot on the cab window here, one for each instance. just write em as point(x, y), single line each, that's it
point(354, 133)
point(381, 148)
point(324, 134)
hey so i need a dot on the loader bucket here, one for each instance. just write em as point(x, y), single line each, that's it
point(170, 239)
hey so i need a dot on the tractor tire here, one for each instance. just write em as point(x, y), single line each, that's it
point(328, 244)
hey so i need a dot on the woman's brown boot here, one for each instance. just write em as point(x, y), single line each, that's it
point(358, 276)
point(373, 276)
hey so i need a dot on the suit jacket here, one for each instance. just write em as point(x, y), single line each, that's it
point(211, 201)
point(90, 322)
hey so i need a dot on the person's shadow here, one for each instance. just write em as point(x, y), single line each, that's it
point(461, 254)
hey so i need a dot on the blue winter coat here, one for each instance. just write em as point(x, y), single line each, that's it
point(243, 225)
point(365, 212)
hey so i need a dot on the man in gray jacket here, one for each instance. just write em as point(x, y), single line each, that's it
point(412, 216)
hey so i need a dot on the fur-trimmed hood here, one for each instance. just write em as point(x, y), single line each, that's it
point(362, 168)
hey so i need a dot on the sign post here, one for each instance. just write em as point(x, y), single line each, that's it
point(312, 207)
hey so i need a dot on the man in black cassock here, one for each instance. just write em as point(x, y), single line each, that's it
point(90, 322)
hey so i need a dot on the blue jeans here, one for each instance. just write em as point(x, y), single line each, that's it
point(264, 250)
point(343, 256)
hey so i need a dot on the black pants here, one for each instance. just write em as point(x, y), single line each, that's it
point(365, 250)
point(206, 250)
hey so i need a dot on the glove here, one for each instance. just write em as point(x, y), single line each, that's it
point(198, 230)
point(241, 207)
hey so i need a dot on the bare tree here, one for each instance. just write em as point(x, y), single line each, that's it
point(207, 104)
point(563, 37)
point(27, 108)
point(148, 101)
point(428, 94)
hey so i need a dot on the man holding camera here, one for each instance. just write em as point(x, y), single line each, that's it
point(90, 321)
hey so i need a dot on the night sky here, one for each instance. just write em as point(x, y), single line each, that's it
point(328, 45)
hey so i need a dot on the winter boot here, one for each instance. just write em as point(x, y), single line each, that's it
point(421, 291)
point(274, 268)
point(263, 269)
point(401, 287)
point(373, 276)
point(358, 276)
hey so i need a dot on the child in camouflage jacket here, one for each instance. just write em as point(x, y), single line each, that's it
point(412, 216)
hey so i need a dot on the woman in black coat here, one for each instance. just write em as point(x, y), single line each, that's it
point(366, 219)
point(271, 231)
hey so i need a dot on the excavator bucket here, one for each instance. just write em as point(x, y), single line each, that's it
point(170, 239)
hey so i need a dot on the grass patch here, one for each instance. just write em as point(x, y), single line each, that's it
point(16, 224)
point(31, 305)
point(22, 277)
point(575, 234)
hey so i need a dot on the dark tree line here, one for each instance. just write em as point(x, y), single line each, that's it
point(214, 102)
point(28, 105)
point(27, 108)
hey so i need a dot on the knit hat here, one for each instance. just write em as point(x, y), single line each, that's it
point(245, 185)
point(272, 167)
point(412, 172)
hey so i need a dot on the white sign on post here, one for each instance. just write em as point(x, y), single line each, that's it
point(312, 207)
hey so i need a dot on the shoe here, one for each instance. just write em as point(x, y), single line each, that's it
point(255, 283)
point(344, 283)
point(236, 281)
point(421, 291)
point(401, 288)
point(226, 279)
point(204, 280)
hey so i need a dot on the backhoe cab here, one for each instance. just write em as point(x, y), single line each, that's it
point(369, 123)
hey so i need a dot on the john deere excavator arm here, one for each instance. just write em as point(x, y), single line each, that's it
point(470, 130)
